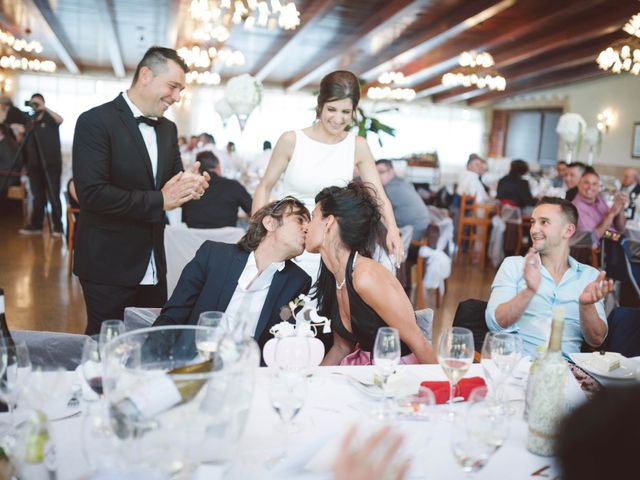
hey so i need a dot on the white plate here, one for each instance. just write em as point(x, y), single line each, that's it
point(627, 370)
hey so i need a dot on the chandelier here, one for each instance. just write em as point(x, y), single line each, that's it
point(623, 55)
point(218, 16)
point(15, 54)
point(392, 89)
point(200, 60)
point(475, 69)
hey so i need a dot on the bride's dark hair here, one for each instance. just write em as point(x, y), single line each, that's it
point(357, 211)
point(338, 85)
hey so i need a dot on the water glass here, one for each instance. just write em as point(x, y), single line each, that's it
point(386, 357)
point(110, 329)
point(207, 339)
point(288, 392)
point(455, 355)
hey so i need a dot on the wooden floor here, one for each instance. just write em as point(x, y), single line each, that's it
point(40, 295)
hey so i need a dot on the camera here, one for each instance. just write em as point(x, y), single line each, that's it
point(28, 103)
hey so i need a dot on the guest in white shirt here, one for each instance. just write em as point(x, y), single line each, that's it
point(250, 281)
point(630, 182)
point(469, 182)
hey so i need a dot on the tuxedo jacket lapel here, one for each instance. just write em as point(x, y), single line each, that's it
point(230, 281)
point(277, 285)
point(126, 116)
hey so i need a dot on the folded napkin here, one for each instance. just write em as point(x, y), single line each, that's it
point(463, 389)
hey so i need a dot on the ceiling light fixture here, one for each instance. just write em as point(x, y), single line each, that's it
point(15, 54)
point(475, 70)
point(392, 89)
point(623, 55)
point(201, 61)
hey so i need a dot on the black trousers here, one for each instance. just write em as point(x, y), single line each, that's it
point(38, 183)
point(107, 302)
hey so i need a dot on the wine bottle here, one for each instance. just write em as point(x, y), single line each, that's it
point(131, 416)
point(548, 402)
point(528, 395)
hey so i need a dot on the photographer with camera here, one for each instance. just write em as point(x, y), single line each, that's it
point(46, 129)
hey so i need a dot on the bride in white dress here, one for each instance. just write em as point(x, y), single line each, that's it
point(326, 154)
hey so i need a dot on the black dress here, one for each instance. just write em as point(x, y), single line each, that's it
point(365, 322)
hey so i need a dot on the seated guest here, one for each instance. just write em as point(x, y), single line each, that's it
point(525, 290)
point(408, 207)
point(561, 170)
point(253, 279)
point(594, 214)
point(358, 294)
point(630, 182)
point(218, 207)
point(513, 189)
point(571, 180)
point(469, 182)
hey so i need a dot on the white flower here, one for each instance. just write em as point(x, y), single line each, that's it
point(243, 93)
point(224, 109)
point(593, 136)
point(570, 127)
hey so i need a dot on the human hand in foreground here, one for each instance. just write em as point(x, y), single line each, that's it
point(596, 290)
point(373, 460)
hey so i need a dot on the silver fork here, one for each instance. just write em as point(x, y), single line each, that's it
point(74, 401)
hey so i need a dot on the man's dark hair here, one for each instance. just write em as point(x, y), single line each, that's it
point(156, 59)
point(579, 165)
point(209, 137)
point(568, 209)
point(278, 210)
point(266, 145)
point(38, 95)
point(385, 162)
point(208, 161)
point(561, 162)
point(518, 167)
point(472, 157)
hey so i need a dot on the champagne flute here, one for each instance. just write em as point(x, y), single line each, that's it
point(110, 329)
point(207, 339)
point(386, 356)
point(455, 355)
point(15, 376)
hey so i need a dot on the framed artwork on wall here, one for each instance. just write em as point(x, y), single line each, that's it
point(635, 147)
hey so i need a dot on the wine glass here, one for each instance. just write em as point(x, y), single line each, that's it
point(455, 355)
point(501, 352)
point(110, 329)
point(386, 356)
point(288, 391)
point(92, 364)
point(15, 376)
point(207, 339)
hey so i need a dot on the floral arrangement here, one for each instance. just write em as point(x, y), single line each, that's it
point(223, 109)
point(243, 93)
point(307, 319)
point(571, 128)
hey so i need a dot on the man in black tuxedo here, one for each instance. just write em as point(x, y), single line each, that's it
point(250, 281)
point(127, 172)
point(218, 207)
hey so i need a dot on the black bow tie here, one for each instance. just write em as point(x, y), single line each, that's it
point(148, 121)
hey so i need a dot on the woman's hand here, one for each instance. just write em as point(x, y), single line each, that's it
point(395, 246)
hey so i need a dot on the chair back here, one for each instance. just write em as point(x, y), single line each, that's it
point(139, 317)
point(470, 314)
point(616, 260)
point(181, 244)
point(467, 206)
point(581, 246)
point(52, 349)
point(624, 332)
point(424, 319)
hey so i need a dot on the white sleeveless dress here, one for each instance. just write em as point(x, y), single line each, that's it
point(313, 166)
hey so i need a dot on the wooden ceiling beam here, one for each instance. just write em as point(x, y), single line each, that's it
point(567, 57)
point(438, 62)
point(41, 11)
point(108, 20)
point(553, 79)
point(310, 17)
point(398, 14)
point(460, 20)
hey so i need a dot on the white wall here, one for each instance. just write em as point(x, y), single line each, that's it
point(620, 93)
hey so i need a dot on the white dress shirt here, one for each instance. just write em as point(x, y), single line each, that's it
point(469, 184)
point(151, 142)
point(251, 292)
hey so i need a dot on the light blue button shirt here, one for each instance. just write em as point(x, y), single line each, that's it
point(534, 326)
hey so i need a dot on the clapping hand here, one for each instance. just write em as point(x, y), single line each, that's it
point(184, 186)
point(596, 290)
point(532, 270)
point(619, 201)
point(373, 460)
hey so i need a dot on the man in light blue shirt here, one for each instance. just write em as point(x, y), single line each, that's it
point(526, 290)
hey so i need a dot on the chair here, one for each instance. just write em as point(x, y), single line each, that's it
point(181, 244)
point(624, 332)
point(616, 261)
point(52, 350)
point(139, 317)
point(473, 226)
point(583, 247)
point(471, 314)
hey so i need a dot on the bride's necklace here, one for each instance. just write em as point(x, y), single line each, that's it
point(341, 284)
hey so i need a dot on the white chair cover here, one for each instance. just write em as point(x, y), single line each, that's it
point(437, 268)
point(440, 217)
point(139, 317)
point(51, 350)
point(381, 256)
point(496, 240)
point(181, 244)
point(424, 319)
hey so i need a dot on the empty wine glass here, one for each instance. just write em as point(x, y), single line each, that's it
point(455, 355)
point(501, 352)
point(207, 339)
point(110, 329)
point(15, 376)
point(386, 357)
point(288, 391)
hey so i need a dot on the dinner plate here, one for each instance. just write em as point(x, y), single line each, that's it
point(627, 370)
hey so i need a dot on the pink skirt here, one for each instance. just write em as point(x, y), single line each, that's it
point(360, 357)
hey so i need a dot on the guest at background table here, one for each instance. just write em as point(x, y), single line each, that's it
point(219, 205)
point(594, 213)
point(526, 289)
point(252, 280)
point(513, 189)
point(574, 173)
point(326, 154)
point(357, 293)
point(561, 174)
point(127, 172)
point(469, 182)
point(630, 182)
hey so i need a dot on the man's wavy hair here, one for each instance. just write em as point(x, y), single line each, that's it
point(278, 210)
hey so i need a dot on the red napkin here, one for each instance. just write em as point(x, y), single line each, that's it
point(463, 389)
